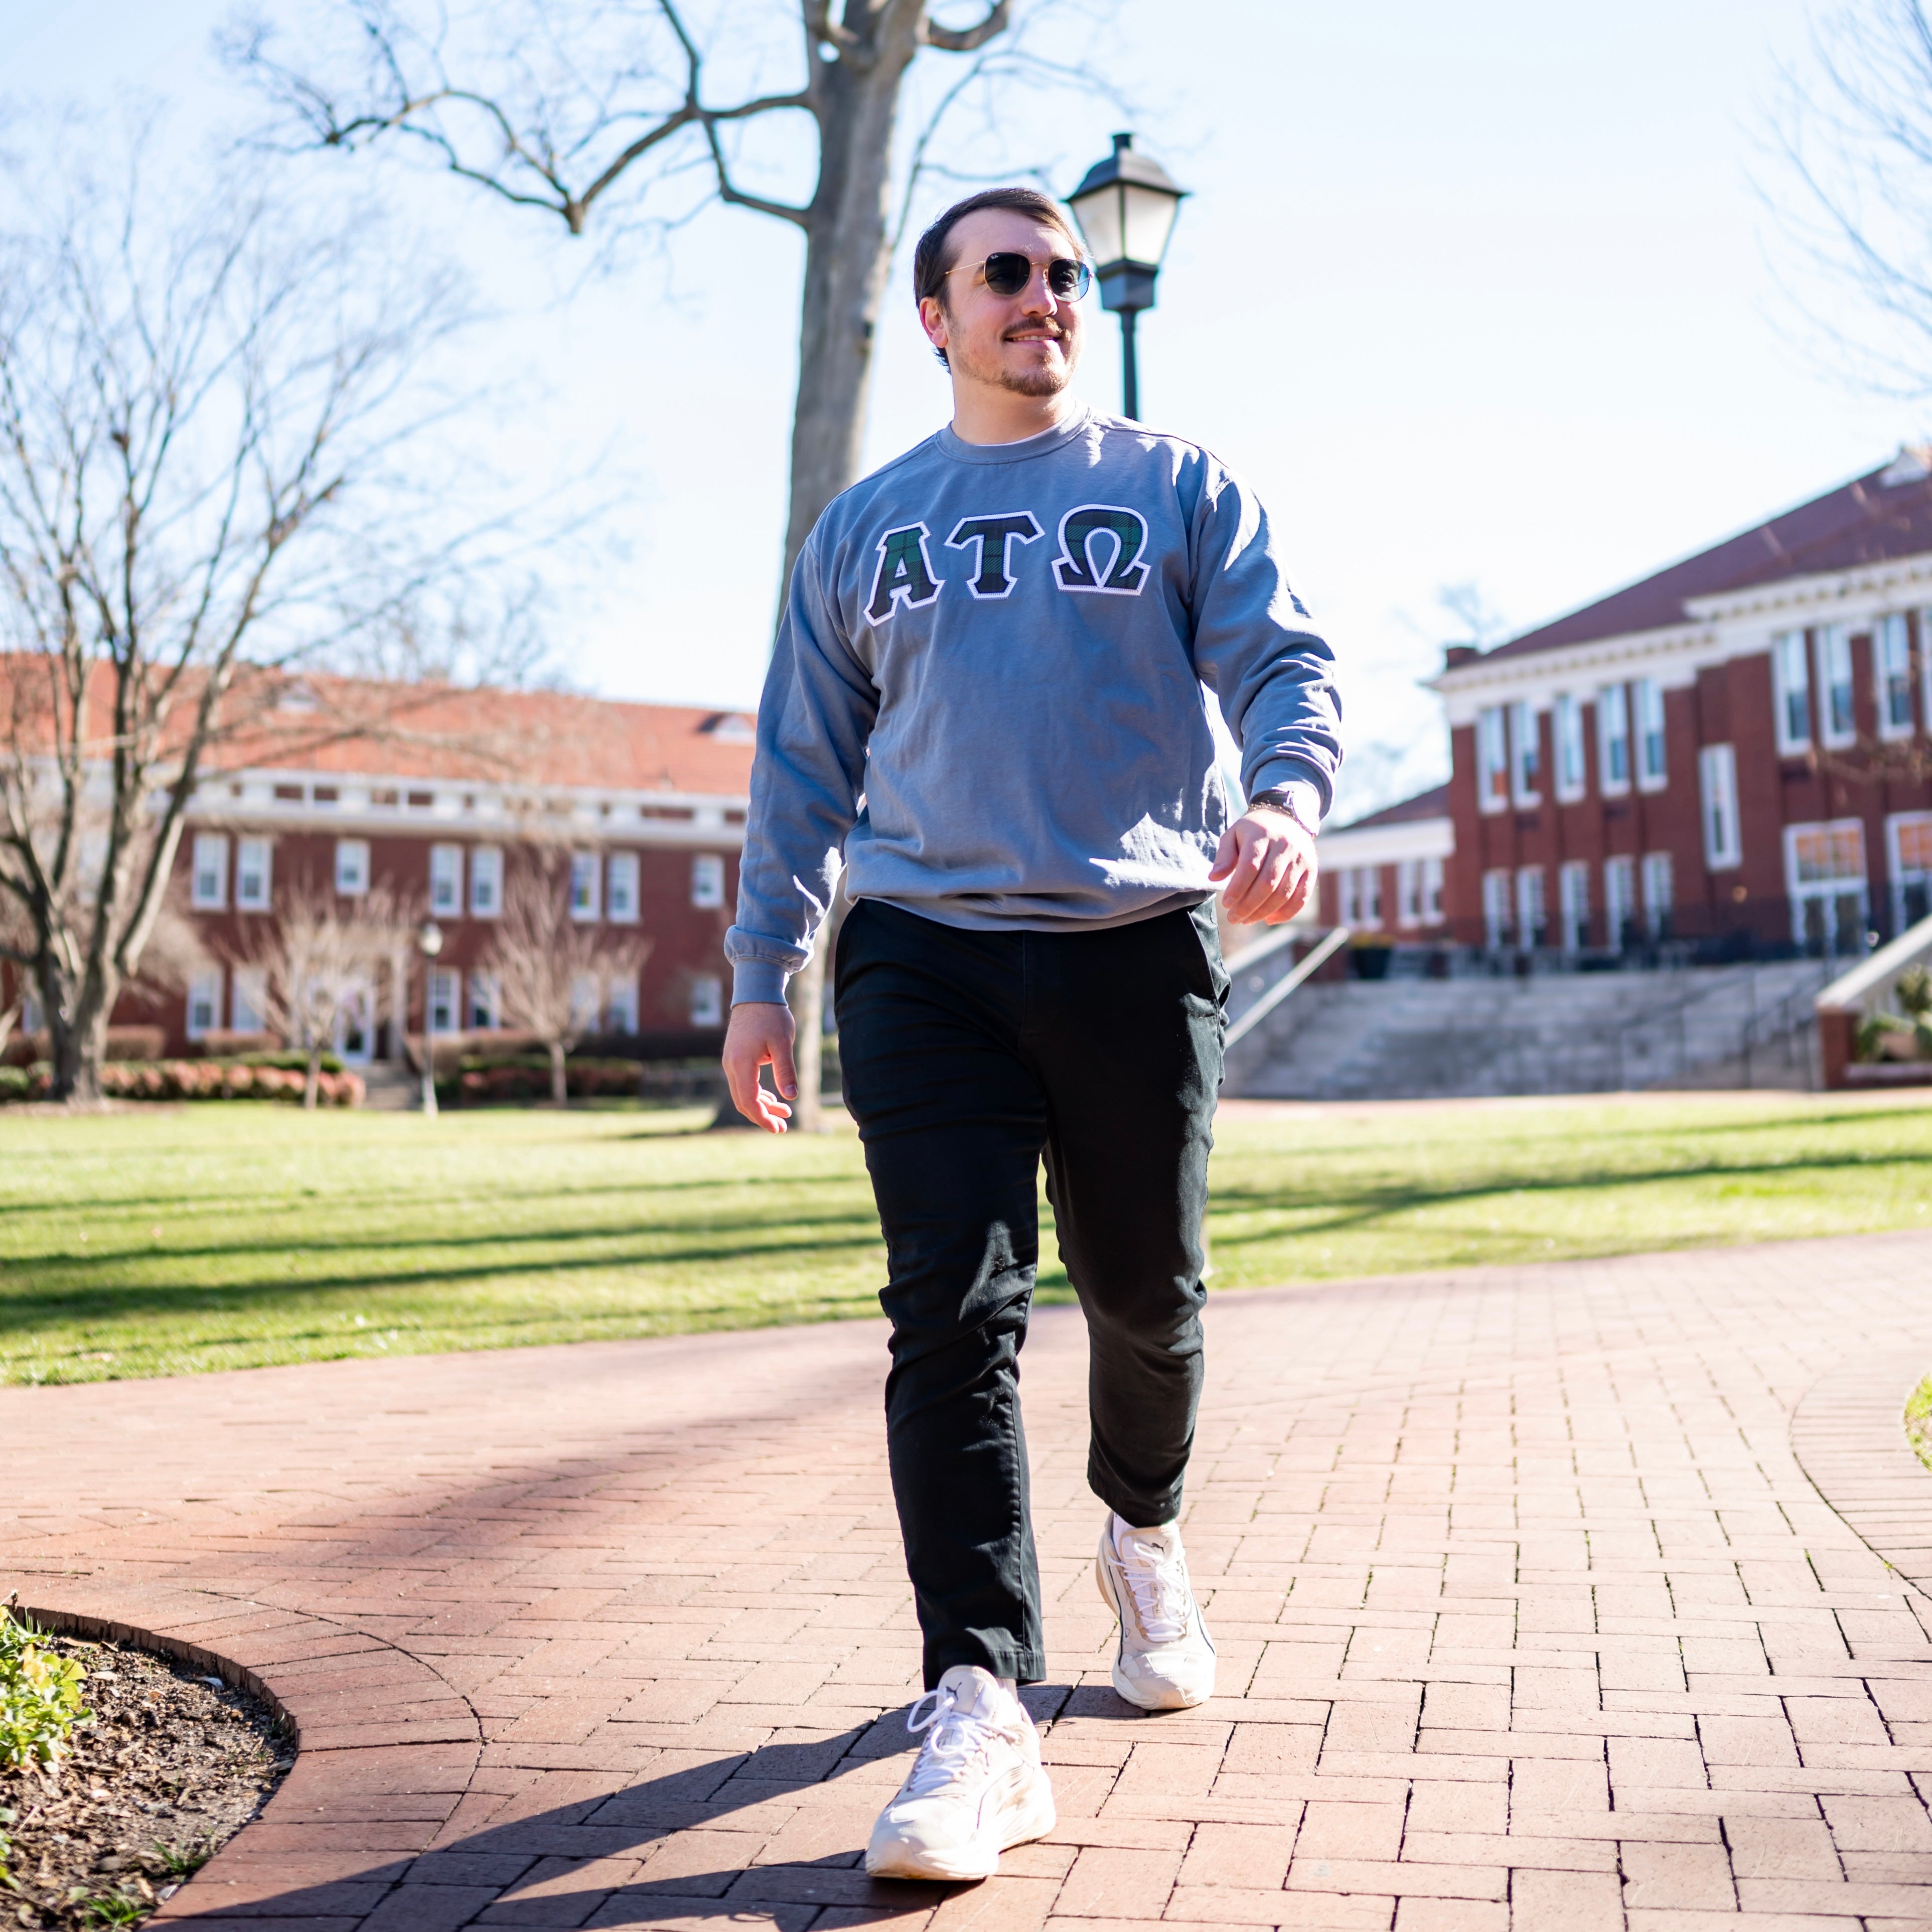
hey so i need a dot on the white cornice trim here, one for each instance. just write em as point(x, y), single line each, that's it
point(1389, 844)
point(1877, 583)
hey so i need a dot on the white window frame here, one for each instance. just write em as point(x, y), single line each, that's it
point(1850, 885)
point(1619, 898)
point(707, 880)
point(1658, 882)
point(352, 867)
point(208, 883)
point(1498, 908)
point(1532, 907)
point(1573, 901)
point(1791, 691)
point(1899, 876)
point(1432, 891)
point(1892, 674)
point(1838, 721)
point(486, 997)
point(1525, 754)
point(586, 875)
point(1613, 732)
point(1717, 806)
point(706, 1007)
point(1567, 729)
point(586, 1002)
point(443, 1002)
point(254, 875)
point(1492, 762)
point(486, 882)
point(620, 893)
point(1408, 894)
point(1650, 737)
point(620, 1006)
point(445, 881)
point(248, 999)
point(204, 1003)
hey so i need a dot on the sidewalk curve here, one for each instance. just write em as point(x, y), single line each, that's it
point(1553, 1596)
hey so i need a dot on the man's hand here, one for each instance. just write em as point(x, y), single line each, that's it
point(1268, 858)
point(759, 1032)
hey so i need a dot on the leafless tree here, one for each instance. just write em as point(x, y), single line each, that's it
point(206, 403)
point(561, 109)
point(318, 958)
point(1850, 185)
point(554, 974)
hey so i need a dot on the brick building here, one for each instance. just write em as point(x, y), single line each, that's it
point(1731, 756)
point(439, 794)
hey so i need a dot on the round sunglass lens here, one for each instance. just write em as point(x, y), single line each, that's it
point(1067, 278)
point(1007, 274)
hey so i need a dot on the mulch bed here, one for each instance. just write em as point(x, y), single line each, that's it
point(172, 1765)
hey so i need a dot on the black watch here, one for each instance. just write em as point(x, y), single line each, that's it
point(1282, 801)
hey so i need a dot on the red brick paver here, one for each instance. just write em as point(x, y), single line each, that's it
point(1546, 1596)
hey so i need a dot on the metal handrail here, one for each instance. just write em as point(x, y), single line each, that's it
point(1338, 937)
point(1875, 973)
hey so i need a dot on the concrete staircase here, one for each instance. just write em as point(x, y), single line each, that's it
point(1559, 1033)
point(390, 1089)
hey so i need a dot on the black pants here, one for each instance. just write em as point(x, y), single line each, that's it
point(965, 1057)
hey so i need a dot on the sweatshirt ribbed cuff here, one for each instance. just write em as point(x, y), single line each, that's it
point(753, 982)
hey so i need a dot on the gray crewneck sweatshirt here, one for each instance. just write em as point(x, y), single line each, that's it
point(984, 698)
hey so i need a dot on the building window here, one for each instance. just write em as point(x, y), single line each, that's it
point(1525, 754)
point(1891, 651)
point(620, 1006)
point(1409, 893)
point(248, 1000)
point(1432, 891)
point(486, 1002)
point(1791, 668)
point(621, 888)
point(254, 875)
point(1717, 782)
point(584, 869)
point(352, 867)
point(1532, 914)
point(204, 1003)
point(1359, 892)
point(446, 1000)
point(707, 1000)
point(1496, 909)
point(707, 881)
point(1825, 874)
point(1651, 770)
point(1659, 892)
point(1568, 727)
point(208, 889)
point(1573, 897)
point(584, 1003)
point(1491, 759)
point(1613, 733)
point(1620, 901)
point(1909, 835)
point(1834, 654)
point(446, 880)
point(486, 882)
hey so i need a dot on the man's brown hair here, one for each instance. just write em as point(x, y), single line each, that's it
point(932, 258)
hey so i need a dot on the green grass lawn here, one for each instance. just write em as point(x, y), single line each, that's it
point(228, 1235)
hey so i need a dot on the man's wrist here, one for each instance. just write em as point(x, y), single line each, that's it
point(1283, 798)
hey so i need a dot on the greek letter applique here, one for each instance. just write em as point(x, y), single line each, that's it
point(994, 535)
point(904, 571)
point(1076, 570)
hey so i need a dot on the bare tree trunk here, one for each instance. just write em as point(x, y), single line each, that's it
point(559, 1090)
point(807, 1005)
point(312, 1083)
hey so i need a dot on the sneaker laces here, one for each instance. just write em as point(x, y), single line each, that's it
point(956, 1742)
point(1157, 1580)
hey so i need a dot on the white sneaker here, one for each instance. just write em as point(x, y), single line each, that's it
point(1165, 1660)
point(976, 1787)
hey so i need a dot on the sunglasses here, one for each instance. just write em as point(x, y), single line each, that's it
point(1009, 273)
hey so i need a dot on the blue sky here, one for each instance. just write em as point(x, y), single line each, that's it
point(1473, 293)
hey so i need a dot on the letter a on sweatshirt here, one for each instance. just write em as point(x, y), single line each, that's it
point(904, 571)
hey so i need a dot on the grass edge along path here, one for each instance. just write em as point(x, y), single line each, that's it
point(173, 1240)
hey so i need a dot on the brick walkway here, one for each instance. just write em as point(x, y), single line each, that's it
point(1529, 1613)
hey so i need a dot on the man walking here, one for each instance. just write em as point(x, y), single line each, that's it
point(985, 705)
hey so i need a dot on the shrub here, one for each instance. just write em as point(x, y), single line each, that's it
point(39, 1696)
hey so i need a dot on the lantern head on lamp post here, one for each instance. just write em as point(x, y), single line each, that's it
point(1126, 206)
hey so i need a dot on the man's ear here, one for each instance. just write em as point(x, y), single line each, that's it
point(932, 318)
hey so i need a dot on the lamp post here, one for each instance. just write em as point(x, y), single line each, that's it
point(1126, 206)
point(429, 943)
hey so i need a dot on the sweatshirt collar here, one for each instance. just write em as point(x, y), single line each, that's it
point(1044, 444)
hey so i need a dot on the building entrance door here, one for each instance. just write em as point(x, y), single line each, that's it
point(356, 1025)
